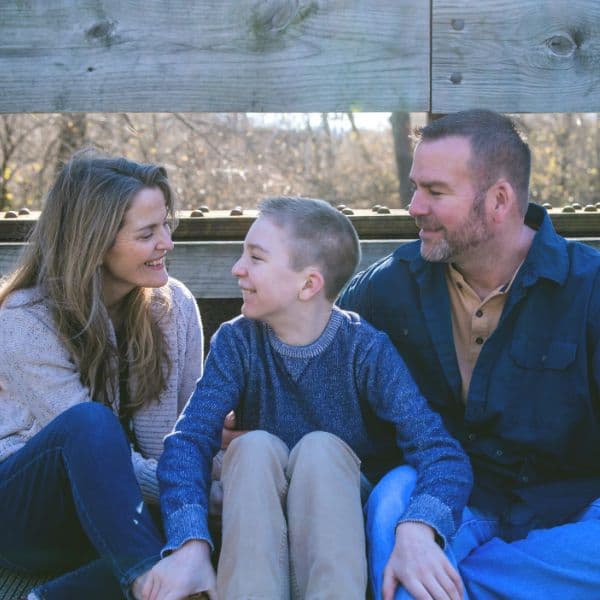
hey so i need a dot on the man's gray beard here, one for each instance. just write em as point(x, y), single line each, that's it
point(441, 252)
point(473, 232)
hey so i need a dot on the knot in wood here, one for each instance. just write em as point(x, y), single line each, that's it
point(103, 31)
point(561, 45)
point(274, 15)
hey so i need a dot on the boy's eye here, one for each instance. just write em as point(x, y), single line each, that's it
point(146, 236)
point(254, 257)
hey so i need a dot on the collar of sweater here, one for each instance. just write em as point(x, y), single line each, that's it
point(310, 350)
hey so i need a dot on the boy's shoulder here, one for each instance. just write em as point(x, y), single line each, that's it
point(359, 327)
point(240, 328)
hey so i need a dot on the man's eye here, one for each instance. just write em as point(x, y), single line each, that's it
point(146, 237)
point(254, 257)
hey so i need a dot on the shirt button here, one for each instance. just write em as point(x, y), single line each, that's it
point(524, 479)
point(479, 313)
point(472, 436)
point(499, 452)
point(479, 341)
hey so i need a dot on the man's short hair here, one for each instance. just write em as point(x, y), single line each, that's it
point(497, 148)
point(319, 235)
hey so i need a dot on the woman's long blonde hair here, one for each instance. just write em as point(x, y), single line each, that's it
point(83, 212)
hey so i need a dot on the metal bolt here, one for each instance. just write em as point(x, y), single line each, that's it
point(456, 78)
point(458, 24)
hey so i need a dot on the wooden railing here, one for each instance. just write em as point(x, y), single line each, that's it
point(207, 246)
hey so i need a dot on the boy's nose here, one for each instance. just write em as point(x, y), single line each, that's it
point(237, 270)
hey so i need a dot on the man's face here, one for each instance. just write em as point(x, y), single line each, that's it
point(446, 204)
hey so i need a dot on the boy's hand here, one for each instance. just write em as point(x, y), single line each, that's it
point(186, 572)
point(229, 432)
point(420, 566)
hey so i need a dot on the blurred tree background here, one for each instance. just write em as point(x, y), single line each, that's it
point(235, 159)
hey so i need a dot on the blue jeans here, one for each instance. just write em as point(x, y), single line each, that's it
point(498, 558)
point(70, 503)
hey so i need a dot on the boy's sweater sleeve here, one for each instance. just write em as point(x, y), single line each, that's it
point(444, 477)
point(185, 466)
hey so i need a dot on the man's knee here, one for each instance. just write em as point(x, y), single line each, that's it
point(391, 495)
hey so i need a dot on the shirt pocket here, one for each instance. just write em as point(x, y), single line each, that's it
point(542, 354)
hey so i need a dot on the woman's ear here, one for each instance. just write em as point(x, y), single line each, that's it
point(313, 284)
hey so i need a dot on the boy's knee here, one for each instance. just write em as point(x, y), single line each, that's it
point(255, 448)
point(320, 449)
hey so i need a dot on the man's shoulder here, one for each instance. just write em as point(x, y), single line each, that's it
point(388, 267)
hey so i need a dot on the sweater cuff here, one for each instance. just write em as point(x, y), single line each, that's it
point(145, 473)
point(433, 512)
point(190, 522)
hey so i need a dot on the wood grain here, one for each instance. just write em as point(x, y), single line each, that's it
point(214, 55)
point(516, 55)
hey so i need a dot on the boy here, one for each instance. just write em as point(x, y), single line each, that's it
point(331, 402)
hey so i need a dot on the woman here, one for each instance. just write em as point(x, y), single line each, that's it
point(99, 350)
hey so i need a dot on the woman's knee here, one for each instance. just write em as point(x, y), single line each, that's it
point(89, 425)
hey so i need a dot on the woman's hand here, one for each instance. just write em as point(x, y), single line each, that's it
point(186, 572)
point(229, 432)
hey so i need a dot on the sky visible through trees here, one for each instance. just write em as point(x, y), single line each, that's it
point(225, 160)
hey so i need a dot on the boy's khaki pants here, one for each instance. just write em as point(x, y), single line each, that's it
point(292, 521)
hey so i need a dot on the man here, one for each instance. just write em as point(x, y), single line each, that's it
point(498, 318)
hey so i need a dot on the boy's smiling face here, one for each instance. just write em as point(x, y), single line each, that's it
point(270, 287)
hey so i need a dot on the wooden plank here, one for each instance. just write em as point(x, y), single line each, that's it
point(516, 55)
point(205, 267)
point(214, 55)
point(398, 224)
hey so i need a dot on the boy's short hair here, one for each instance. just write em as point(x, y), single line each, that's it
point(319, 235)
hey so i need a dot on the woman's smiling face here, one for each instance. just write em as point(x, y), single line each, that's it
point(136, 258)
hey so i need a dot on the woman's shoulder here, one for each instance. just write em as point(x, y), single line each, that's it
point(175, 292)
point(27, 322)
point(27, 304)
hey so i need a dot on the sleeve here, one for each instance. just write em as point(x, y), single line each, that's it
point(36, 366)
point(356, 295)
point(145, 473)
point(193, 359)
point(184, 469)
point(444, 477)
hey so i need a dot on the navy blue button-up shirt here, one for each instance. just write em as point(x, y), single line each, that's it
point(531, 424)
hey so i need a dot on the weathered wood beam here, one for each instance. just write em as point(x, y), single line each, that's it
point(396, 224)
point(516, 55)
point(205, 267)
point(207, 55)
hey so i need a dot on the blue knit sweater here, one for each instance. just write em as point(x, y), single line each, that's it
point(350, 382)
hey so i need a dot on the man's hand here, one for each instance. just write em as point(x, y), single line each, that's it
point(420, 566)
point(229, 432)
point(186, 572)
